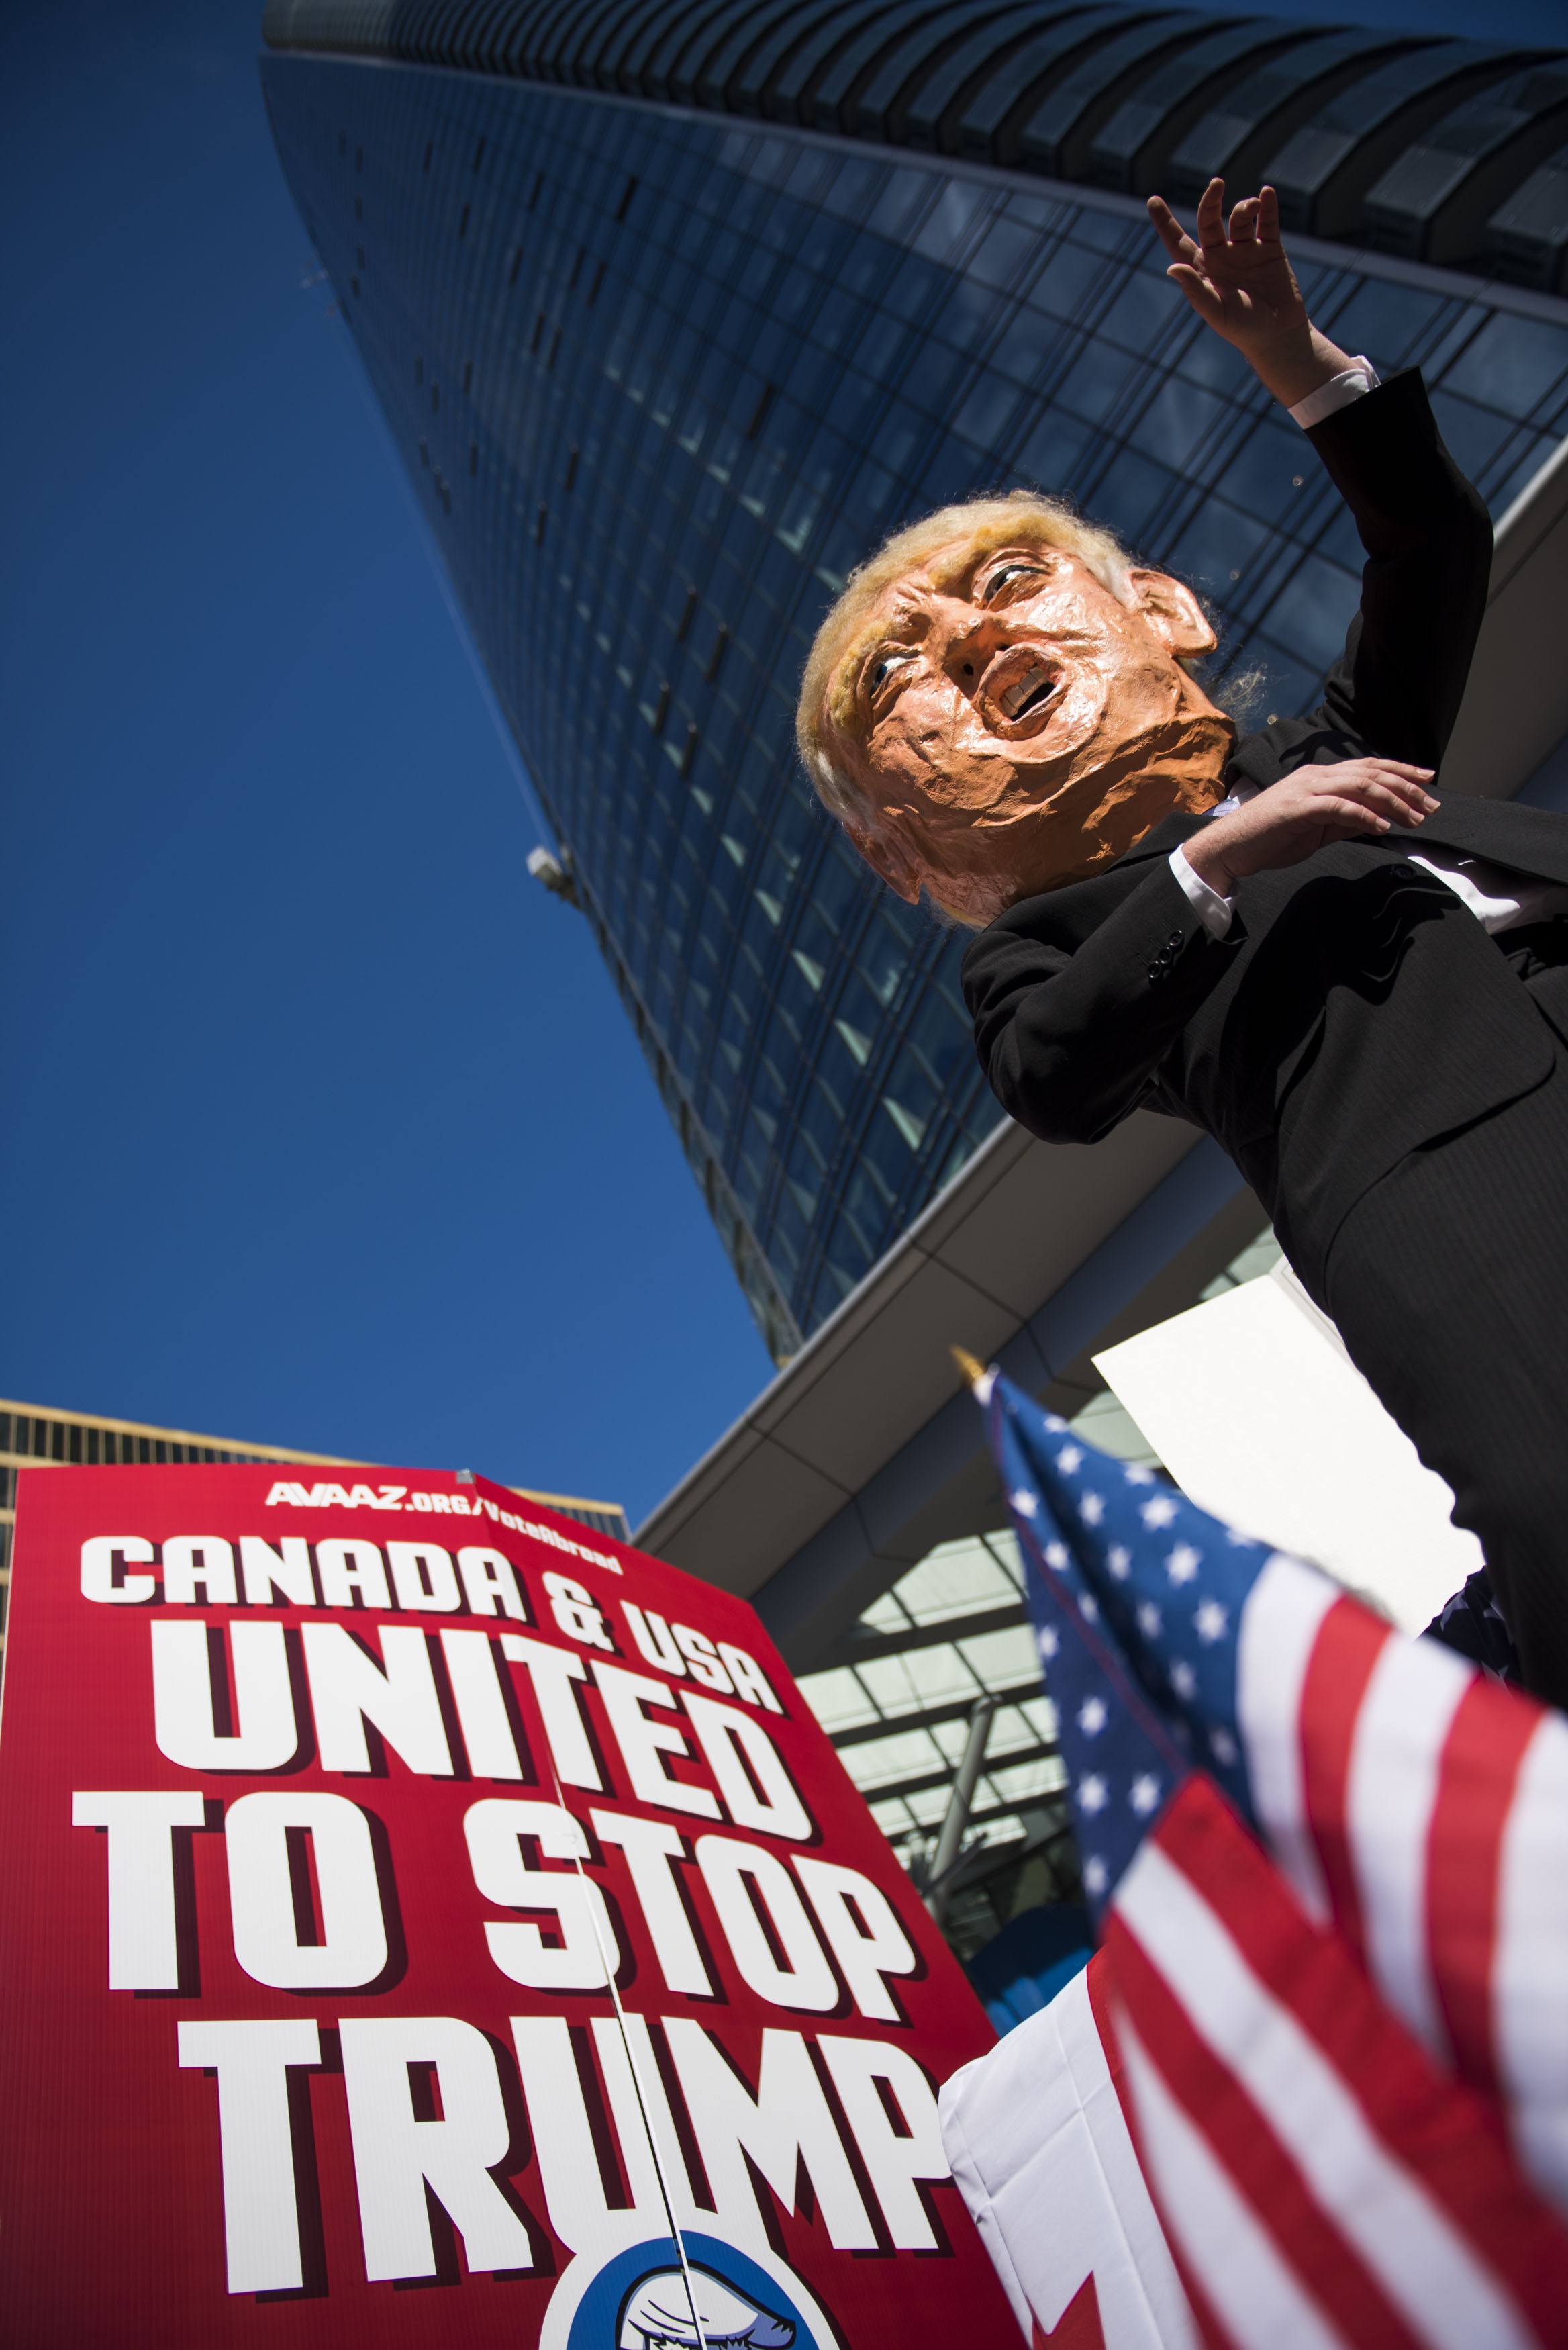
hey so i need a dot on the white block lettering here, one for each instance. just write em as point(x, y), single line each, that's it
point(742, 1877)
point(486, 1726)
point(703, 1658)
point(493, 1830)
point(751, 1682)
point(757, 1789)
point(654, 1640)
point(651, 1848)
point(894, 2158)
point(577, 1612)
point(276, 1577)
point(489, 1582)
point(348, 1568)
point(423, 1579)
point(576, 2197)
point(143, 1918)
point(396, 2155)
point(788, 2122)
point(863, 1932)
point(204, 1559)
point(185, 1703)
point(551, 1673)
point(101, 1554)
point(348, 1688)
point(261, 2212)
point(639, 2108)
point(352, 1950)
point(644, 1743)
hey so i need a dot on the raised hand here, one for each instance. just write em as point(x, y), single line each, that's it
point(1238, 278)
point(1306, 811)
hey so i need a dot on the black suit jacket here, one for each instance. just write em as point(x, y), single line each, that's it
point(1356, 1009)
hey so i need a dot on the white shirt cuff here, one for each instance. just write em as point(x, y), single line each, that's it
point(1212, 910)
point(1350, 383)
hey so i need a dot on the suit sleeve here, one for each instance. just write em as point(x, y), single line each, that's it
point(1397, 690)
point(1070, 1040)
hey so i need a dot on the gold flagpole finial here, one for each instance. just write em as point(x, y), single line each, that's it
point(971, 1371)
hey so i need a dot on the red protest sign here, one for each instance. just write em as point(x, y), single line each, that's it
point(426, 1920)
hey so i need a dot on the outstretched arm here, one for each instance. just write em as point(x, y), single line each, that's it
point(1238, 278)
point(1390, 702)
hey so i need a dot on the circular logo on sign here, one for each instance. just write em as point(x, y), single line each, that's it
point(638, 2298)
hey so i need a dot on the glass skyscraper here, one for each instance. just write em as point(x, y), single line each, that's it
point(674, 309)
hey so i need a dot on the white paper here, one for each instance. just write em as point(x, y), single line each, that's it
point(1259, 1414)
point(1043, 2157)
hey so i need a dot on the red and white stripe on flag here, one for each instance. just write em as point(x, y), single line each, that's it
point(1321, 2182)
point(1423, 1809)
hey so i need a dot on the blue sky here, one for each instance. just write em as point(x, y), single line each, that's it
point(323, 1124)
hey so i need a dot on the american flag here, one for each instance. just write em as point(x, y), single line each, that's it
point(1343, 2035)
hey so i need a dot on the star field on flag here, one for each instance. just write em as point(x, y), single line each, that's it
point(1366, 1840)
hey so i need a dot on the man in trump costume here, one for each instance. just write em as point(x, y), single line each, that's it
point(1295, 940)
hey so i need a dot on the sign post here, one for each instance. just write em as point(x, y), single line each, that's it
point(426, 1921)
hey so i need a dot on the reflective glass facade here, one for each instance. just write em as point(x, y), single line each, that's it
point(896, 1700)
point(661, 377)
point(896, 1691)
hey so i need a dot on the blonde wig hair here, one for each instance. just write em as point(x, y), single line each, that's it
point(962, 534)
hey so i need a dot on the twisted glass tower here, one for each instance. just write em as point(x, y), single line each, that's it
point(674, 308)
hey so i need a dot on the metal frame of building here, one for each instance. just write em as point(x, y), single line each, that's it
point(1344, 121)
